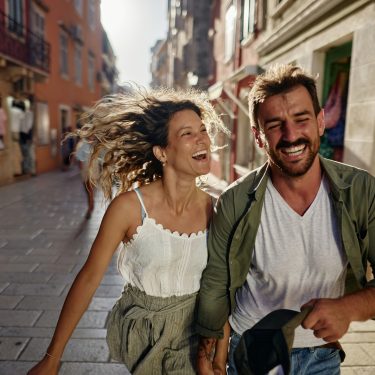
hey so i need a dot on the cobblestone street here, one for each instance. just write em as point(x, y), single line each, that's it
point(44, 240)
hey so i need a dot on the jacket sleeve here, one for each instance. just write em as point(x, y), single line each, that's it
point(371, 230)
point(213, 299)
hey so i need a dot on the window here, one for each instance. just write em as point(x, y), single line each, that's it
point(91, 14)
point(15, 13)
point(248, 18)
point(78, 4)
point(64, 66)
point(37, 22)
point(78, 64)
point(36, 42)
point(91, 71)
point(230, 32)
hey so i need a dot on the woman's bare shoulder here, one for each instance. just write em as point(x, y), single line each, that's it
point(125, 201)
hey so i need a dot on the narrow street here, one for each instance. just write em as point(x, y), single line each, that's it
point(44, 240)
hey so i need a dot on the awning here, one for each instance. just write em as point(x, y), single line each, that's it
point(243, 72)
point(217, 89)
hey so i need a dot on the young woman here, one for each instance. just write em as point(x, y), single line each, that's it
point(154, 146)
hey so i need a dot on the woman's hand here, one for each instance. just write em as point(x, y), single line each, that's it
point(206, 351)
point(219, 363)
point(47, 366)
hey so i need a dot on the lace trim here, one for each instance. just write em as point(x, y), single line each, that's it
point(160, 227)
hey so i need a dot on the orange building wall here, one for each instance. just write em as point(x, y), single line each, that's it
point(58, 90)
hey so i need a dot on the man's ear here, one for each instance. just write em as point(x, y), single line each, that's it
point(258, 137)
point(321, 122)
point(159, 153)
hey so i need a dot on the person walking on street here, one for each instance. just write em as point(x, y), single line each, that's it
point(82, 155)
point(154, 145)
point(297, 232)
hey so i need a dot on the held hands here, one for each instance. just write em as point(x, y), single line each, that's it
point(206, 351)
point(329, 318)
point(213, 354)
point(47, 366)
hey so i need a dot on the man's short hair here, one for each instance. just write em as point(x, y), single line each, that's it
point(277, 79)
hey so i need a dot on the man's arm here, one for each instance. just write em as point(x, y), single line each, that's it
point(213, 299)
point(330, 318)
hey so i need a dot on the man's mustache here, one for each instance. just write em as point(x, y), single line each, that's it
point(298, 142)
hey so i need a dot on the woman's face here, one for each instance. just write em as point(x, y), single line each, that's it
point(188, 148)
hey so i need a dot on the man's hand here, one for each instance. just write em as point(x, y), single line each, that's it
point(206, 350)
point(329, 318)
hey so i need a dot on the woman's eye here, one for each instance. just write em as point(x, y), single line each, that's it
point(186, 133)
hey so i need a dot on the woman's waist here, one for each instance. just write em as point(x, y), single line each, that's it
point(156, 304)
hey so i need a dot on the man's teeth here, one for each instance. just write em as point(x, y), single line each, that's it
point(199, 153)
point(295, 150)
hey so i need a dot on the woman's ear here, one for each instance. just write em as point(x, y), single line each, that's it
point(159, 153)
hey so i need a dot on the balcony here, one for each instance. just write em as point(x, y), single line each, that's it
point(23, 46)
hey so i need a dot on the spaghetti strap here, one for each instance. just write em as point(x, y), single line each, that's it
point(139, 195)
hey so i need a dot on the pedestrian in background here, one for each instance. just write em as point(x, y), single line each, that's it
point(16, 116)
point(296, 232)
point(3, 125)
point(67, 148)
point(26, 139)
point(82, 155)
point(155, 145)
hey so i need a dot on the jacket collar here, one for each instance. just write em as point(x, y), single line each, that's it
point(335, 177)
point(330, 168)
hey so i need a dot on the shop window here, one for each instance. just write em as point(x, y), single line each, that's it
point(335, 98)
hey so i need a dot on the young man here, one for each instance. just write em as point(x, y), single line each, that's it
point(297, 231)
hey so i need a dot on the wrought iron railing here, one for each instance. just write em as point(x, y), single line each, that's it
point(21, 44)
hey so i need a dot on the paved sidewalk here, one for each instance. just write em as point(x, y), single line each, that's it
point(44, 240)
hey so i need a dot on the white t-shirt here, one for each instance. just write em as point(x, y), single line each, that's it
point(295, 258)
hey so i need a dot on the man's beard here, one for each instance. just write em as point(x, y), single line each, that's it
point(301, 166)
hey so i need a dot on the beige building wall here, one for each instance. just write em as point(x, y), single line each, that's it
point(360, 130)
point(351, 21)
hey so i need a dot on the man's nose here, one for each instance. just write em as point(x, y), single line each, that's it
point(290, 131)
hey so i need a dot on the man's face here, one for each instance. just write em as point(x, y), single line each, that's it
point(290, 131)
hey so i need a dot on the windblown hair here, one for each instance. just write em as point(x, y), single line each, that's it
point(276, 80)
point(123, 128)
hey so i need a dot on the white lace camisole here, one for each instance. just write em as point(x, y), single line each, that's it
point(160, 262)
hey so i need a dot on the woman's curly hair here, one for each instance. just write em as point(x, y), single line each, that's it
point(123, 128)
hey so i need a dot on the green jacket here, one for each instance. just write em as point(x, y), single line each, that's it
point(235, 225)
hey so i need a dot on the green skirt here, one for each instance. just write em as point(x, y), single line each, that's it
point(153, 335)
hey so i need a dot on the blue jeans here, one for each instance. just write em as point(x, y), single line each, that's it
point(304, 361)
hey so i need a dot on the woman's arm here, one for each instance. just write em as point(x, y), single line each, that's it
point(219, 363)
point(112, 230)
